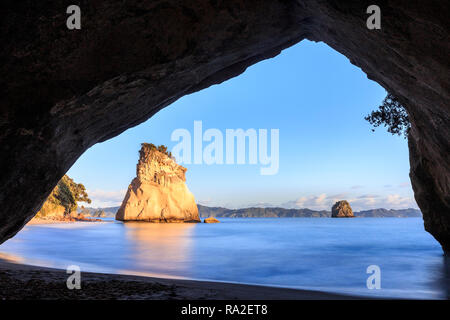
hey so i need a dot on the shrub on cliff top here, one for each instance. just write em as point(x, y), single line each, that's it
point(392, 115)
point(161, 148)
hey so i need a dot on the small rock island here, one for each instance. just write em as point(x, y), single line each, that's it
point(211, 220)
point(159, 192)
point(342, 209)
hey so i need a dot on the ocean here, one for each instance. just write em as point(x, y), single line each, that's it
point(308, 253)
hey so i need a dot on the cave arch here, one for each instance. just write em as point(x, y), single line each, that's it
point(65, 90)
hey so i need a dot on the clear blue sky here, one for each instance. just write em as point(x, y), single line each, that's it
point(316, 98)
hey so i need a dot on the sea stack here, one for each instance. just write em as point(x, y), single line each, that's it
point(159, 192)
point(211, 220)
point(342, 209)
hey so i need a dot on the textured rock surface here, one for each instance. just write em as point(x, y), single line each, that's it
point(63, 91)
point(159, 192)
point(51, 211)
point(342, 209)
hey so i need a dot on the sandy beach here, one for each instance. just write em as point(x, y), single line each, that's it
point(19, 281)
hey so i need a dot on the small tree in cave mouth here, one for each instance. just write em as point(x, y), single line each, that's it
point(392, 115)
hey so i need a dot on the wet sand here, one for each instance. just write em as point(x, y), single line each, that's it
point(19, 281)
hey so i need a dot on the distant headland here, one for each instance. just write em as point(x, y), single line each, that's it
point(276, 212)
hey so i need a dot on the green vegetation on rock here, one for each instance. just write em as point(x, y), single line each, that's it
point(161, 148)
point(392, 115)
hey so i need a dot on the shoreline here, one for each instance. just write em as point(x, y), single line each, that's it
point(20, 281)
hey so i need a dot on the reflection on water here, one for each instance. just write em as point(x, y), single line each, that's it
point(161, 248)
point(321, 253)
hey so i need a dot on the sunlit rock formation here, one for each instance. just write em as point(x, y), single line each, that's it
point(211, 220)
point(159, 192)
point(342, 209)
point(51, 211)
point(62, 203)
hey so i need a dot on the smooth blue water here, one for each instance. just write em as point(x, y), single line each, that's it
point(313, 253)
